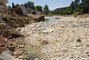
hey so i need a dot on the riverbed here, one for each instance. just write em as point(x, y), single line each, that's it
point(66, 38)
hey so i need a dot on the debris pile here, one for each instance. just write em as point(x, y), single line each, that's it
point(8, 32)
point(10, 19)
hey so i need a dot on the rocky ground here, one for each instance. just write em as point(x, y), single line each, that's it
point(67, 38)
point(10, 38)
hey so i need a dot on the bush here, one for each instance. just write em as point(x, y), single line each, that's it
point(50, 14)
point(76, 11)
point(75, 14)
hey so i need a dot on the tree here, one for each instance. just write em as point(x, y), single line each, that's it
point(25, 5)
point(84, 6)
point(30, 5)
point(85, 1)
point(13, 5)
point(77, 2)
point(39, 8)
point(76, 6)
point(9, 6)
point(72, 7)
point(78, 10)
point(46, 9)
point(16, 5)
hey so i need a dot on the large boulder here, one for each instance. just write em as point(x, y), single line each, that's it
point(6, 56)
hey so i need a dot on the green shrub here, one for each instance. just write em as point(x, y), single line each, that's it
point(75, 14)
point(50, 14)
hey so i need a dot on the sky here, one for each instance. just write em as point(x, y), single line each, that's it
point(53, 4)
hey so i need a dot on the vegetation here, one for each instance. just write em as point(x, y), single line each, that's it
point(29, 4)
point(76, 6)
point(46, 9)
point(39, 8)
point(13, 5)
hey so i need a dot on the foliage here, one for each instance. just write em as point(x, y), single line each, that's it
point(75, 6)
point(16, 5)
point(13, 5)
point(46, 9)
point(77, 10)
point(75, 14)
point(50, 14)
point(77, 2)
point(39, 8)
point(30, 5)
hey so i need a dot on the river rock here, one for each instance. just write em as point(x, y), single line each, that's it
point(65, 39)
point(6, 56)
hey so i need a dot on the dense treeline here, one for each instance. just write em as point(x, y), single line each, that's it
point(81, 6)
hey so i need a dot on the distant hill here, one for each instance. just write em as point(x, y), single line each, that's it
point(74, 7)
point(59, 10)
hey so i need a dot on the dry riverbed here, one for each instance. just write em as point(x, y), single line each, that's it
point(67, 38)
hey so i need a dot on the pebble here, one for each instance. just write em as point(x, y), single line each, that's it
point(65, 37)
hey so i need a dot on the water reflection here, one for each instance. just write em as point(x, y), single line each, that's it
point(50, 20)
point(43, 26)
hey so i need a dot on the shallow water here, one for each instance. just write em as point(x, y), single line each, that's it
point(43, 26)
point(50, 20)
